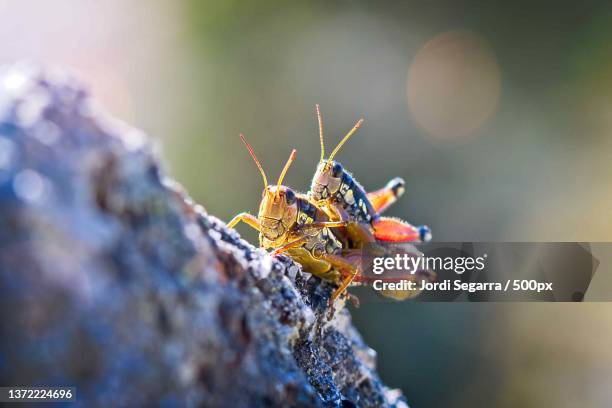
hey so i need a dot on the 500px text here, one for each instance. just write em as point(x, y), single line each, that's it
point(452, 285)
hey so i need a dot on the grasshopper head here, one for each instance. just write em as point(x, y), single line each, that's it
point(327, 180)
point(328, 177)
point(279, 205)
point(277, 213)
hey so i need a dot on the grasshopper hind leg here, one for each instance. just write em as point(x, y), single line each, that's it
point(349, 268)
point(389, 194)
point(394, 230)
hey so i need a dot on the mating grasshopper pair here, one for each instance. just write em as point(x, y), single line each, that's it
point(326, 229)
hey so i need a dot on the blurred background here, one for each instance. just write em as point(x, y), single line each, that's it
point(497, 114)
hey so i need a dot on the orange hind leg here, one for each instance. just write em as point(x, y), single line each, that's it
point(394, 230)
point(389, 194)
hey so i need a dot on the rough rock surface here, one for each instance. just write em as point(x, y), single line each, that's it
point(113, 281)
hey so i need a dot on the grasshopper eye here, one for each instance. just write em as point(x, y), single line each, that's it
point(290, 197)
point(337, 170)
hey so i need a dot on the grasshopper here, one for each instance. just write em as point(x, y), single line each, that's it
point(290, 222)
point(338, 193)
point(344, 199)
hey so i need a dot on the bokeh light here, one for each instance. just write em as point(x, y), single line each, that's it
point(453, 85)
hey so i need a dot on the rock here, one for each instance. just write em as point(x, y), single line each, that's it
point(114, 282)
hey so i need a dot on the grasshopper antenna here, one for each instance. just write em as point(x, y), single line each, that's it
point(252, 153)
point(347, 137)
point(320, 119)
point(284, 172)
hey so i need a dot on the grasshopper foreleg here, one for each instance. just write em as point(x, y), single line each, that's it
point(247, 219)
